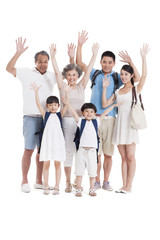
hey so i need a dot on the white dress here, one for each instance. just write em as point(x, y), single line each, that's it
point(53, 143)
point(123, 133)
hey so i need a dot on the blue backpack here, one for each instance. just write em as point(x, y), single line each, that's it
point(47, 114)
point(79, 132)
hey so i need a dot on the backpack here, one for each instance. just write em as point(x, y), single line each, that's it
point(115, 78)
point(79, 132)
point(47, 114)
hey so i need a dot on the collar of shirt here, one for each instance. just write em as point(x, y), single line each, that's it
point(35, 70)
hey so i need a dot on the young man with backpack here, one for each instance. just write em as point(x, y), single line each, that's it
point(105, 131)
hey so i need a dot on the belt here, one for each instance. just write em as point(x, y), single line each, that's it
point(106, 117)
point(34, 115)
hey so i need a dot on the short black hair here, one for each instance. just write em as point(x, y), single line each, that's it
point(44, 53)
point(108, 54)
point(88, 105)
point(52, 99)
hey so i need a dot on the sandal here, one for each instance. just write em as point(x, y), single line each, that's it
point(68, 188)
point(78, 192)
point(46, 190)
point(55, 191)
point(92, 192)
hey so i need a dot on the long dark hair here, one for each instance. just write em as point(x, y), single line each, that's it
point(128, 69)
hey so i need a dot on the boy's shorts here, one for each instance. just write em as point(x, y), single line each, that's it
point(105, 133)
point(86, 158)
point(31, 125)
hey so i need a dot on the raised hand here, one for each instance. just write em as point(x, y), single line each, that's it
point(106, 82)
point(71, 50)
point(95, 48)
point(82, 37)
point(33, 86)
point(52, 50)
point(125, 57)
point(144, 50)
point(20, 45)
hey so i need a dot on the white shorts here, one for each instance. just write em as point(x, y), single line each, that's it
point(69, 128)
point(86, 158)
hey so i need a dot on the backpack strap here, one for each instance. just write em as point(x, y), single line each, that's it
point(78, 133)
point(95, 74)
point(94, 121)
point(60, 117)
point(116, 83)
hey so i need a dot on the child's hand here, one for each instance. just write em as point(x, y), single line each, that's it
point(106, 82)
point(71, 50)
point(52, 50)
point(95, 48)
point(65, 100)
point(34, 87)
point(144, 50)
point(82, 37)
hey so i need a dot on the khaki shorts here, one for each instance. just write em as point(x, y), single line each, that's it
point(105, 132)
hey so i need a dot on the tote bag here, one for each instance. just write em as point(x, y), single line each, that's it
point(138, 119)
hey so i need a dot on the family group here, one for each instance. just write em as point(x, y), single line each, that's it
point(83, 130)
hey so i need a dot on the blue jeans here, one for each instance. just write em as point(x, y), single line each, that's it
point(31, 125)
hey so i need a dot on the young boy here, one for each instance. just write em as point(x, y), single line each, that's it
point(87, 153)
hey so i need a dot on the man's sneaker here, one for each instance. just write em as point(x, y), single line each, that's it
point(25, 188)
point(97, 185)
point(107, 187)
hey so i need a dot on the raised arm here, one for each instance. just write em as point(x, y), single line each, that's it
point(127, 59)
point(111, 100)
point(82, 38)
point(36, 89)
point(58, 74)
point(67, 103)
point(86, 76)
point(143, 53)
point(20, 48)
point(71, 52)
point(107, 111)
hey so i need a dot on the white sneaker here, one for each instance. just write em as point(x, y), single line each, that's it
point(38, 186)
point(25, 188)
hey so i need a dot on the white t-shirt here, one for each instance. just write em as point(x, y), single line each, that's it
point(89, 136)
point(46, 81)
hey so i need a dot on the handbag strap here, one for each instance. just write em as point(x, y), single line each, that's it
point(134, 96)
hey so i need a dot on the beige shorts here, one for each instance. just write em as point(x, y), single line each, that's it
point(105, 133)
point(86, 158)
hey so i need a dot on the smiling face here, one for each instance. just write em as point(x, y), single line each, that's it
point(42, 63)
point(72, 77)
point(107, 64)
point(125, 76)
point(52, 107)
point(88, 113)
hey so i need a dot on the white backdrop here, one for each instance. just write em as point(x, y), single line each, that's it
point(115, 25)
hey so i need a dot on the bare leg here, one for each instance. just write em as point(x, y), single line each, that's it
point(57, 173)
point(92, 180)
point(68, 173)
point(107, 165)
point(122, 151)
point(26, 161)
point(46, 166)
point(39, 170)
point(98, 169)
point(79, 182)
point(130, 149)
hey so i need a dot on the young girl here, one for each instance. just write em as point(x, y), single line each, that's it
point(124, 135)
point(71, 73)
point(53, 144)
